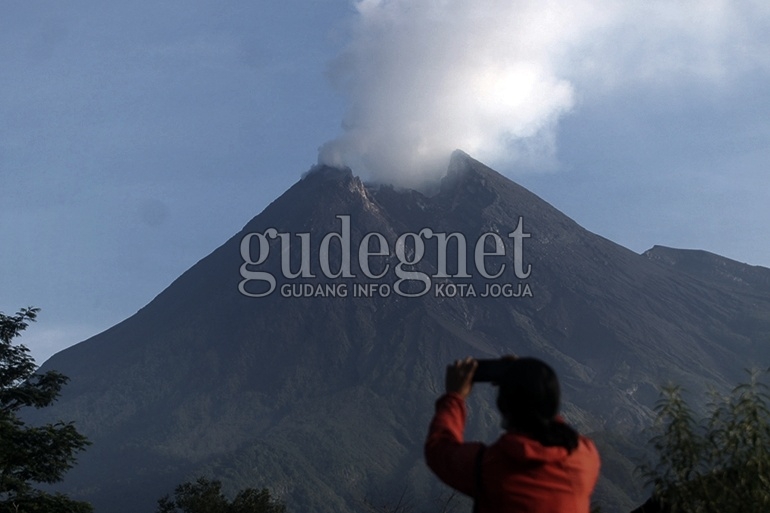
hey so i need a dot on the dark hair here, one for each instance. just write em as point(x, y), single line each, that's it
point(528, 397)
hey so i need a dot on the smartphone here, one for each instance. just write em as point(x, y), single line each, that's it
point(491, 370)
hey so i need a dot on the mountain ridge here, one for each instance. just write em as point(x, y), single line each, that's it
point(713, 267)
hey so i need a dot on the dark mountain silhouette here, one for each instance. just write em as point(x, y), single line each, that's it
point(326, 400)
point(714, 269)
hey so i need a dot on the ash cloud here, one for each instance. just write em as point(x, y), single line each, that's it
point(494, 77)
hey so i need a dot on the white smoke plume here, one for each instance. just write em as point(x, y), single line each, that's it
point(493, 77)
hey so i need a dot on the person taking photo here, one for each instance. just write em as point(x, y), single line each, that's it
point(539, 465)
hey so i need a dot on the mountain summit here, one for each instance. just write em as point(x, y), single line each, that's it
point(306, 352)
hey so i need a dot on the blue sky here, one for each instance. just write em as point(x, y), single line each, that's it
point(136, 138)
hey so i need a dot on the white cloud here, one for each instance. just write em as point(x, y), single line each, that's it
point(493, 77)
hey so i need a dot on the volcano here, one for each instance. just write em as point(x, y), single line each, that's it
point(305, 354)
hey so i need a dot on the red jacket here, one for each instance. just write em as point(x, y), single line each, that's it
point(518, 474)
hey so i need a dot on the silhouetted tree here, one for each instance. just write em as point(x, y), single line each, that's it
point(721, 464)
point(30, 455)
point(205, 496)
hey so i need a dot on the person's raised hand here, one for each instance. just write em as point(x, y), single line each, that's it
point(459, 376)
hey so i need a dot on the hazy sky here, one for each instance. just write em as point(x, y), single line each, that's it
point(135, 138)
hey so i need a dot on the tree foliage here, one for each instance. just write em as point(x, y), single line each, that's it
point(31, 455)
point(205, 496)
point(719, 464)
